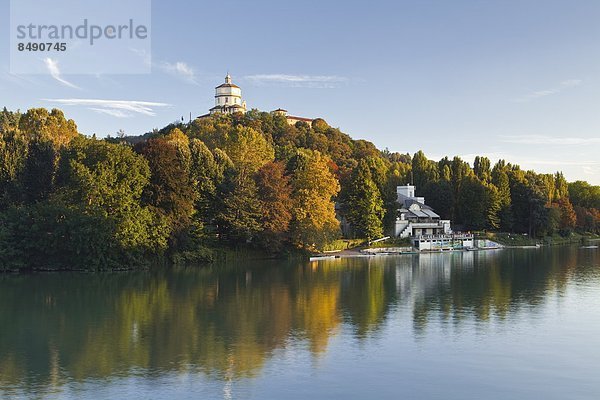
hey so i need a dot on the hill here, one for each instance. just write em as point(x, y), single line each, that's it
point(245, 180)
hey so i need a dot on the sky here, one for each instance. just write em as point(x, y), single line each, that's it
point(517, 80)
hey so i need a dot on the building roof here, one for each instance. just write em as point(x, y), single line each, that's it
point(409, 202)
point(299, 118)
point(430, 213)
point(419, 214)
point(226, 106)
point(227, 85)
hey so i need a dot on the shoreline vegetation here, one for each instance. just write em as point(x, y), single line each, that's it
point(245, 185)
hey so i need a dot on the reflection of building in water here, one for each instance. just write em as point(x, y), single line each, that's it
point(425, 273)
point(428, 273)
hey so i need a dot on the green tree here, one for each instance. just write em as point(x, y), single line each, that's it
point(39, 171)
point(583, 194)
point(108, 181)
point(472, 210)
point(501, 181)
point(440, 196)
point(238, 217)
point(204, 174)
point(481, 167)
point(364, 206)
point(169, 189)
point(424, 170)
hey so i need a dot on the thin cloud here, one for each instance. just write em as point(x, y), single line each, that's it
point(566, 84)
point(592, 170)
point(111, 112)
point(551, 140)
point(52, 66)
point(315, 81)
point(115, 108)
point(180, 69)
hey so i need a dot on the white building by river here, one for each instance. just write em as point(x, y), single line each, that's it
point(418, 221)
point(415, 218)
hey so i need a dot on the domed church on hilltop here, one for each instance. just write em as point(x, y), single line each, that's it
point(228, 100)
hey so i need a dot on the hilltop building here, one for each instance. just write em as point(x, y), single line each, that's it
point(290, 118)
point(418, 221)
point(228, 100)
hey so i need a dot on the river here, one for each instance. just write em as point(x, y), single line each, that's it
point(502, 324)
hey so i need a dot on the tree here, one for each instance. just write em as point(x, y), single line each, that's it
point(13, 153)
point(561, 186)
point(481, 167)
point(275, 197)
point(460, 170)
point(472, 210)
point(249, 150)
point(39, 124)
point(364, 206)
point(588, 219)
point(585, 195)
point(313, 188)
point(108, 181)
point(440, 196)
point(38, 173)
point(169, 189)
point(501, 181)
point(568, 218)
point(203, 174)
point(424, 170)
point(238, 218)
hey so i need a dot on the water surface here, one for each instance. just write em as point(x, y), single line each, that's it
point(516, 324)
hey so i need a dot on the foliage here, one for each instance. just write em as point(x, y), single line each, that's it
point(313, 188)
point(364, 204)
point(275, 194)
point(247, 181)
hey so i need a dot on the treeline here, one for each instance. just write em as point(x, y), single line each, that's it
point(251, 180)
point(506, 198)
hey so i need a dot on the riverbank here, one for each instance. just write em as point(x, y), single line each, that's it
point(519, 240)
point(397, 246)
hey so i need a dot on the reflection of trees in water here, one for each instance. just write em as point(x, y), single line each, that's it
point(483, 284)
point(226, 323)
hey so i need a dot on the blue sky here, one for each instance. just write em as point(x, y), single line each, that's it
point(518, 80)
